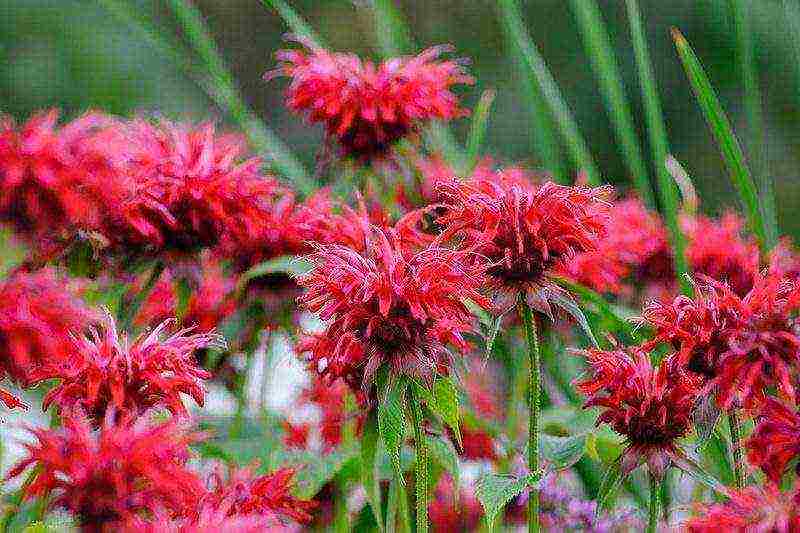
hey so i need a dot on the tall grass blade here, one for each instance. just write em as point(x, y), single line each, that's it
point(732, 152)
point(792, 13)
point(576, 145)
point(755, 120)
point(598, 45)
point(480, 121)
point(299, 27)
point(668, 191)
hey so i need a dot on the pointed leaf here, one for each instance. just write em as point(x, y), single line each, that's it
point(477, 131)
point(287, 264)
point(495, 490)
point(445, 395)
point(392, 422)
point(444, 454)
point(369, 446)
point(698, 473)
point(562, 452)
point(612, 479)
point(705, 416)
point(564, 300)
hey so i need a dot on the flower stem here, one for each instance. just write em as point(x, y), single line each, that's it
point(128, 312)
point(655, 490)
point(421, 469)
point(534, 385)
point(736, 448)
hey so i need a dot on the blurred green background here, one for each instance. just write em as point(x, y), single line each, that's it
point(73, 54)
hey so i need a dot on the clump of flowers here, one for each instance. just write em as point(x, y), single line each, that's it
point(108, 373)
point(763, 508)
point(388, 305)
point(368, 107)
point(776, 439)
point(650, 406)
point(106, 477)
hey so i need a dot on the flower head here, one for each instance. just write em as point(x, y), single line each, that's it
point(776, 438)
point(107, 476)
point(388, 304)
point(763, 508)
point(651, 406)
point(743, 345)
point(109, 373)
point(368, 107)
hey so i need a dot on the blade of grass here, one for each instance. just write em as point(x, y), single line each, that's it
point(732, 152)
point(741, 12)
point(223, 91)
point(792, 14)
point(598, 45)
point(477, 132)
point(576, 145)
point(298, 26)
point(668, 191)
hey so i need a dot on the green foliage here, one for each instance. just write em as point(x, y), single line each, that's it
point(392, 421)
point(477, 132)
point(562, 452)
point(494, 491)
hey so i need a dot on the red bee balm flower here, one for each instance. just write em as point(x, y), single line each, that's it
point(752, 509)
point(152, 371)
point(743, 345)
point(368, 107)
point(650, 406)
point(523, 231)
point(776, 439)
point(389, 304)
point(37, 316)
point(107, 476)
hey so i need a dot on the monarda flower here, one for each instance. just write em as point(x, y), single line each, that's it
point(108, 476)
point(752, 509)
point(650, 406)
point(741, 345)
point(776, 439)
point(525, 232)
point(37, 315)
point(368, 107)
point(111, 374)
point(389, 305)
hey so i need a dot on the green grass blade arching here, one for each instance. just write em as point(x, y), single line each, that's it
point(598, 45)
point(299, 27)
point(477, 132)
point(668, 190)
point(732, 152)
point(579, 151)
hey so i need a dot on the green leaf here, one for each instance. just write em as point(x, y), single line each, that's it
point(392, 422)
point(495, 491)
point(732, 152)
point(601, 306)
point(562, 452)
point(564, 300)
point(369, 446)
point(477, 132)
point(612, 479)
point(445, 404)
point(295, 22)
point(445, 455)
point(184, 293)
point(290, 265)
point(705, 416)
point(698, 473)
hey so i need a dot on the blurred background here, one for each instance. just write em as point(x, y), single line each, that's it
point(75, 55)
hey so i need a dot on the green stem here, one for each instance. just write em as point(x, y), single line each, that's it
point(341, 513)
point(128, 313)
point(534, 385)
point(421, 468)
point(736, 448)
point(652, 522)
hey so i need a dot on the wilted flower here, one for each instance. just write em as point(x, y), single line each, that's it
point(109, 373)
point(368, 107)
point(776, 438)
point(650, 406)
point(108, 476)
point(752, 509)
point(388, 305)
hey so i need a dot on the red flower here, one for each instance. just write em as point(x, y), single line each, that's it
point(477, 444)
point(109, 374)
point(524, 232)
point(743, 345)
point(104, 477)
point(37, 315)
point(650, 406)
point(368, 107)
point(449, 511)
point(330, 400)
point(388, 304)
point(752, 509)
point(776, 439)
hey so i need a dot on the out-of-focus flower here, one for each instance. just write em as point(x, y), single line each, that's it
point(368, 107)
point(743, 345)
point(109, 476)
point(37, 315)
point(451, 511)
point(650, 406)
point(108, 373)
point(389, 304)
point(784, 260)
point(763, 508)
point(524, 232)
point(776, 438)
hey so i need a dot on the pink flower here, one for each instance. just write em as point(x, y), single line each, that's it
point(763, 508)
point(776, 438)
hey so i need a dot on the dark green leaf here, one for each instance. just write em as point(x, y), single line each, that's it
point(369, 446)
point(495, 491)
point(392, 422)
point(289, 265)
point(477, 132)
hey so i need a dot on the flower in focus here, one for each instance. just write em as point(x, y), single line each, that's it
point(105, 477)
point(110, 374)
point(775, 440)
point(449, 511)
point(388, 304)
point(368, 107)
point(763, 508)
point(743, 345)
point(650, 406)
point(524, 231)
